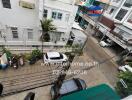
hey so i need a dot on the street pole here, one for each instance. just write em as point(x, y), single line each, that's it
point(60, 80)
point(42, 45)
point(61, 77)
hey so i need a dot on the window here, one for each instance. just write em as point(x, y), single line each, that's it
point(128, 3)
point(56, 58)
point(14, 32)
point(6, 4)
point(67, 17)
point(121, 14)
point(0, 34)
point(54, 14)
point(130, 19)
point(45, 13)
point(111, 11)
point(59, 16)
point(30, 33)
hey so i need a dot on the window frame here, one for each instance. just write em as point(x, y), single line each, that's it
point(45, 14)
point(6, 4)
point(124, 18)
point(126, 6)
point(126, 23)
point(30, 31)
point(54, 16)
point(14, 31)
point(119, 15)
point(58, 16)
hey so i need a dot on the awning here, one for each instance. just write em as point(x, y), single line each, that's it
point(86, 3)
point(100, 92)
point(94, 8)
point(27, 3)
point(94, 15)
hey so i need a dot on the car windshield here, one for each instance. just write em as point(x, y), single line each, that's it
point(61, 56)
point(55, 58)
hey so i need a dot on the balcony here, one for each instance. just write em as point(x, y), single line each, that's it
point(92, 20)
point(30, 4)
point(107, 22)
point(122, 36)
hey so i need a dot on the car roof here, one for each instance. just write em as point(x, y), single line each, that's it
point(53, 54)
point(68, 86)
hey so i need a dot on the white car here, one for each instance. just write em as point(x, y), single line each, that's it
point(125, 68)
point(104, 44)
point(55, 57)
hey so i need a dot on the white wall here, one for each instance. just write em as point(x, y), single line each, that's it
point(19, 16)
point(64, 7)
point(22, 18)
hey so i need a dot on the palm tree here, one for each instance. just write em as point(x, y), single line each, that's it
point(47, 27)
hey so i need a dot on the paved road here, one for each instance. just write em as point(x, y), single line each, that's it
point(96, 53)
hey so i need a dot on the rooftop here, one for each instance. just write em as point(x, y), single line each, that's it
point(100, 92)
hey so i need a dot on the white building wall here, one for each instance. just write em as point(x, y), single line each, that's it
point(65, 7)
point(23, 19)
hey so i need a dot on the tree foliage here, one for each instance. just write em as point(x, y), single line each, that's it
point(127, 77)
point(36, 53)
point(47, 26)
point(8, 53)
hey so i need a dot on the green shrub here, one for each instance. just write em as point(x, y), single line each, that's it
point(8, 53)
point(37, 53)
point(130, 63)
point(27, 56)
point(127, 77)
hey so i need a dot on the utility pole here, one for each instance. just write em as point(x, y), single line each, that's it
point(61, 78)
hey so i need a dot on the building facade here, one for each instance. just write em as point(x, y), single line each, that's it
point(114, 23)
point(62, 12)
point(20, 27)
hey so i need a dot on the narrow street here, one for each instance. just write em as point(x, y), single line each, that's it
point(96, 53)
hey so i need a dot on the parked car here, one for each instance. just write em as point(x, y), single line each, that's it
point(55, 57)
point(125, 68)
point(104, 44)
point(68, 87)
